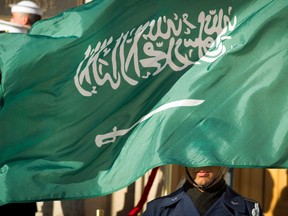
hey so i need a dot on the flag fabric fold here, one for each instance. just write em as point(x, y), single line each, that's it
point(93, 98)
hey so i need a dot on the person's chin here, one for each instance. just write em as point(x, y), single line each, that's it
point(202, 183)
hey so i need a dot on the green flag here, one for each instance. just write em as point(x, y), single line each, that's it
point(93, 98)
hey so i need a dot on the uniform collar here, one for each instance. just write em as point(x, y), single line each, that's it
point(229, 198)
point(173, 197)
point(234, 200)
point(186, 208)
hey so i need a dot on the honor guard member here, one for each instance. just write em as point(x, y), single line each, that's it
point(204, 193)
point(24, 15)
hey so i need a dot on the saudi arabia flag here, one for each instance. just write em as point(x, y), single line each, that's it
point(93, 98)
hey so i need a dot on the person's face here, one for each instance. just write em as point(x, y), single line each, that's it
point(204, 175)
point(19, 18)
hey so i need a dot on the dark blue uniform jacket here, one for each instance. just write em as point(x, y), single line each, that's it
point(179, 204)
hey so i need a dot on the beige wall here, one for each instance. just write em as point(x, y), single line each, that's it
point(268, 186)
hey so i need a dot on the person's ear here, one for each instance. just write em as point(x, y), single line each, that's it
point(25, 20)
